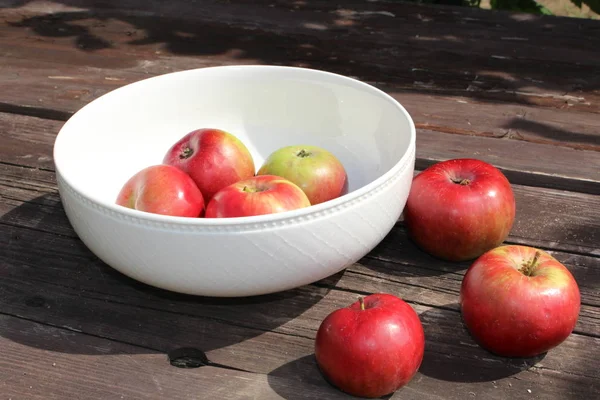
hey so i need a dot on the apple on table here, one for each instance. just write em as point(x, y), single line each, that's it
point(519, 301)
point(371, 348)
point(458, 209)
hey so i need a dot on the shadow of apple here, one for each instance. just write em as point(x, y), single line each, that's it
point(451, 354)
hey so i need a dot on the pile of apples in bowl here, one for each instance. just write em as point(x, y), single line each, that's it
point(235, 181)
point(212, 169)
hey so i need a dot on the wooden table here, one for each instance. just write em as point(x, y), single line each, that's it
point(519, 91)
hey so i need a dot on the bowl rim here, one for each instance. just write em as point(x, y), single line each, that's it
point(132, 214)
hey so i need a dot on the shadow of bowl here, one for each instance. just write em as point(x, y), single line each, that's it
point(397, 248)
point(54, 281)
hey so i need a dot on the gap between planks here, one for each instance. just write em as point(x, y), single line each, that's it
point(28, 142)
point(474, 356)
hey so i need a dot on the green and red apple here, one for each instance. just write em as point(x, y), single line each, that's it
point(317, 171)
point(258, 195)
point(519, 301)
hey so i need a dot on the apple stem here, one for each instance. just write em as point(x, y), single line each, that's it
point(362, 303)
point(528, 267)
point(463, 182)
point(186, 153)
point(254, 189)
point(303, 153)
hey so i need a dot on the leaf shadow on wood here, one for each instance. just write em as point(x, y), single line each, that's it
point(552, 133)
point(50, 277)
point(332, 37)
point(445, 353)
point(594, 5)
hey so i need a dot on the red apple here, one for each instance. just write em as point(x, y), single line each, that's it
point(162, 189)
point(213, 158)
point(259, 195)
point(458, 209)
point(518, 301)
point(371, 348)
point(315, 170)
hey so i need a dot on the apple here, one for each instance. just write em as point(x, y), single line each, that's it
point(213, 158)
point(162, 189)
point(458, 209)
point(318, 172)
point(372, 347)
point(259, 195)
point(519, 301)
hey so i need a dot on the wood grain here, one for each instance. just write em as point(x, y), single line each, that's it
point(29, 369)
point(58, 282)
point(85, 52)
point(43, 218)
point(106, 369)
point(279, 354)
point(519, 91)
point(522, 162)
point(550, 219)
point(29, 141)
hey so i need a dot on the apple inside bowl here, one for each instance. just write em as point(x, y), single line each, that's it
point(266, 107)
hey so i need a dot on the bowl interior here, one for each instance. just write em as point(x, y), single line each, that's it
point(130, 128)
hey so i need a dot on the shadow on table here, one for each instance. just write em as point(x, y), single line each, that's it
point(451, 357)
point(51, 280)
point(553, 133)
point(398, 255)
point(305, 370)
point(339, 37)
point(457, 357)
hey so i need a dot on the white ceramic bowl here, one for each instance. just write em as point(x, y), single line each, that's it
point(267, 107)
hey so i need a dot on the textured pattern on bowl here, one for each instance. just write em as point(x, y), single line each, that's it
point(240, 256)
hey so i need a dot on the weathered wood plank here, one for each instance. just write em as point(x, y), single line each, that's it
point(461, 116)
point(552, 229)
point(44, 214)
point(404, 268)
point(29, 141)
point(556, 219)
point(464, 84)
point(25, 204)
point(522, 162)
point(471, 368)
point(395, 265)
point(116, 369)
point(344, 20)
point(45, 362)
point(547, 218)
point(106, 48)
point(94, 285)
point(58, 90)
point(58, 282)
point(435, 288)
